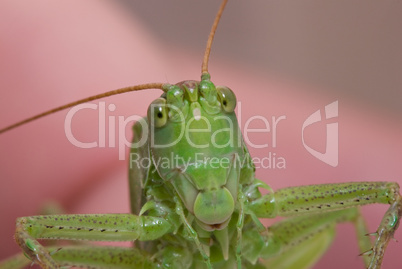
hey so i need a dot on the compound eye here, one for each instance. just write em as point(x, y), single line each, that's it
point(157, 113)
point(227, 98)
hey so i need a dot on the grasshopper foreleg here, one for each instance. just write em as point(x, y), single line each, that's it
point(101, 227)
point(324, 198)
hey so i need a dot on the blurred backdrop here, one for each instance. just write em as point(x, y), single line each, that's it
point(281, 58)
point(352, 47)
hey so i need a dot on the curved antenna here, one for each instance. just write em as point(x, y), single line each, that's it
point(204, 68)
point(161, 86)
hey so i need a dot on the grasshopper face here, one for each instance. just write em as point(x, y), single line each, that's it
point(199, 148)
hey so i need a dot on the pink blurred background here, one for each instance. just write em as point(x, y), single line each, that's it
point(280, 58)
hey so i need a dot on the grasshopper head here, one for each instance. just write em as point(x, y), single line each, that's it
point(196, 145)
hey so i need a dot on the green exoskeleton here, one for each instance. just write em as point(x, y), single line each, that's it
point(196, 202)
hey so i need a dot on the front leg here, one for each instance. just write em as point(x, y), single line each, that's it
point(329, 197)
point(99, 227)
point(385, 232)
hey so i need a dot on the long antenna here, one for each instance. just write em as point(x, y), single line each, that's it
point(161, 86)
point(204, 68)
point(147, 86)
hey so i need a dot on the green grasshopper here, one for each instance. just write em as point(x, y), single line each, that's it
point(198, 215)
